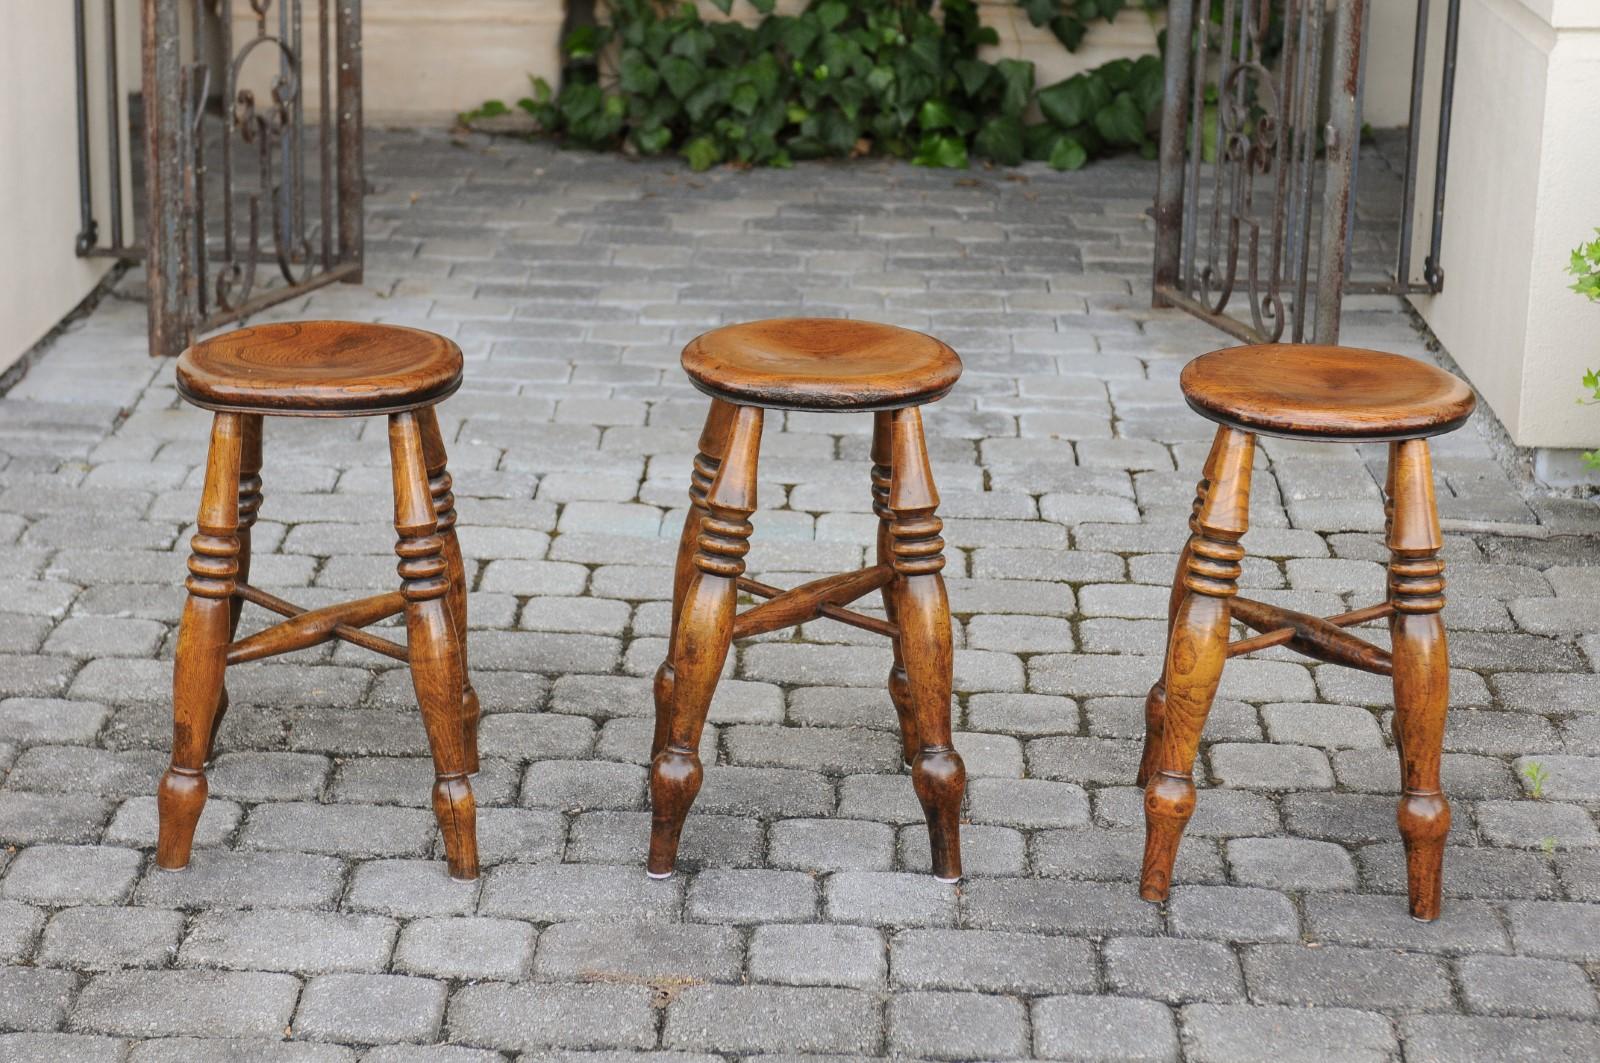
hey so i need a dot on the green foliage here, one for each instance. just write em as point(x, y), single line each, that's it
point(842, 78)
point(1585, 265)
point(1537, 775)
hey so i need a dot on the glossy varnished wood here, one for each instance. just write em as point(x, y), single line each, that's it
point(1301, 392)
point(821, 364)
point(1325, 392)
point(319, 368)
point(332, 369)
point(709, 574)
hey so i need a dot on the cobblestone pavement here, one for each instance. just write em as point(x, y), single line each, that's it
point(317, 922)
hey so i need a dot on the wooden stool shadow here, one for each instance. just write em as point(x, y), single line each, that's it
point(1333, 394)
point(323, 369)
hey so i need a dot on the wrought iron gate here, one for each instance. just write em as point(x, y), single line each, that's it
point(228, 180)
point(1247, 135)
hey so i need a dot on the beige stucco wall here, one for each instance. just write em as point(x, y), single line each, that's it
point(41, 276)
point(1524, 155)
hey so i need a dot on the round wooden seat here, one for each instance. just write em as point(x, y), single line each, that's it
point(320, 369)
point(1327, 392)
point(823, 364)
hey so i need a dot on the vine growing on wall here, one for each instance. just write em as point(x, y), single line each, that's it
point(841, 78)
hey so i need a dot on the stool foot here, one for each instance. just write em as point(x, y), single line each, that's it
point(1168, 804)
point(675, 778)
point(457, 812)
point(180, 799)
point(940, 780)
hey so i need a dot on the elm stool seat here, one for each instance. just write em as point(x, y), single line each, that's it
point(323, 369)
point(811, 365)
point(1332, 394)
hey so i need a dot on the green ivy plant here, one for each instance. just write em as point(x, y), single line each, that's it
point(1585, 266)
point(842, 78)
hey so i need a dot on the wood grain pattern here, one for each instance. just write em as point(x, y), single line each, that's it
point(821, 364)
point(922, 614)
point(250, 499)
point(713, 444)
point(1319, 638)
point(1327, 392)
point(203, 636)
point(1196, 650)
point(704, 633)
point(440, 487)
point(436, 666)
point(1421, 670)
point(319, 369)
point(899, 683)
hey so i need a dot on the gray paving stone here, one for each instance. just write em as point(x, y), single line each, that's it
point(1232, 913)
point(338, 830)
point(46, 721)
point(60, 875)
point(59, 1048)
point(1522, 986)
point(237, 1050)
point(1104, 1028)
point(32, 998)
point(1332, 976)
point(560, 892)
point(1240, 1033)
point(1173, 970)
point(535, 1016)
point(370, 1008)
point(186, 1003)
point(1384, 922)
point(1290, 864)
point(821, 845)
point(992, 962)
point(757, 1018)
point(751, 895)
point(643, 951)
point(1453, 1038)
point(299, 942)
point(1036, 906)
point(469, 948)
point(222, 879)
point(29, 819)
point(818, 954)
point(957, 1026)
point(104, 938)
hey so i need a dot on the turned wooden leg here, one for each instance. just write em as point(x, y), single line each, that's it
point(1155, 703)
point(1421, 670)
point(704, 632)
point(249, 508)
point(444, 508)
point(922, 611)
point(1196, 649)
point(202, 650)
point(882, 480)
point(713, 445)
point(435, 646)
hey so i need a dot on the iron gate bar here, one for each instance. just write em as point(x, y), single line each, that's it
point(1266, 117)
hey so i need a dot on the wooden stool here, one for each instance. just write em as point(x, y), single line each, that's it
point(815, 365)
point(1339, 395)
point(324, 369)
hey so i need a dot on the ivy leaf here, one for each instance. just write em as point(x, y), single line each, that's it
point(1067, 154)
point(681, 75)
point(723, 6)
point(831, 13)
point(1122, 122)
point(763, 6)
point(974, 74)
point(1016, 75)
point(935, 114)
point(702, 153)
point(1040, 11)
point(1071, 102)
point(584, 42)
point(637, 76)
point(745, 99)
point(652, 141)
point(938, 149)
point(1000, 139)
point(1069, 31)
point(799, 34)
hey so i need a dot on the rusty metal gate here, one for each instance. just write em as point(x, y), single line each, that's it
point(1261, 108)
point(245, 152)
